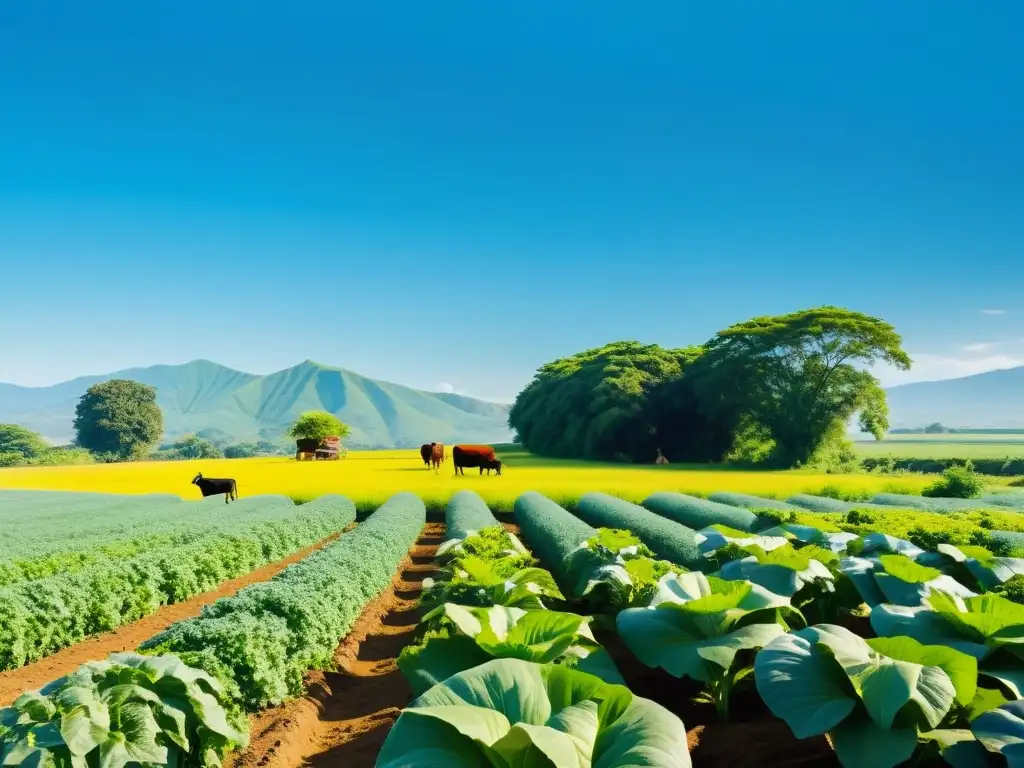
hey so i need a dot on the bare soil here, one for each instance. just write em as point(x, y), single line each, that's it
point(347, 714)
point(31, 677)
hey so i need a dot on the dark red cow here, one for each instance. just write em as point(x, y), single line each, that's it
point(481, 456)
point(437, 455)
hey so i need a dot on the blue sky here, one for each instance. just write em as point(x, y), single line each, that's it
point(459, 192)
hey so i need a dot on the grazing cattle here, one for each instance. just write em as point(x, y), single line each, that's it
point(425, 452)
point(437, 455)
point(481, 456)
point(212, 486)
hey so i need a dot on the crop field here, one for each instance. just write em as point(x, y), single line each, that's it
point(664, 629)
point(371, 477)
point(958, 446)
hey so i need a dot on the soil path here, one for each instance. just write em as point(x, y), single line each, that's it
point(14, 682)
point(346, 715)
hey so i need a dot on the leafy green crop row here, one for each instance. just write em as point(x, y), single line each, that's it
point(928, 504)
point(465, 512)
point(666, 538)
point(698, 513)
point(264, 638)
point(41, 617)
point(747, 501)
point(550, 531)
point(828, 504)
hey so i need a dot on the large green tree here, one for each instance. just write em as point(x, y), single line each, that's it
point(799, 376)
point(316, 425)
point(623, 400)
point(15, 439)
point(119, 418)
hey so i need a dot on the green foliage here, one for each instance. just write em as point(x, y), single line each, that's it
point(706, 629)
point(549, 530)
point(11, 459)
point(190, 447)
point(267, 635)
point(799, 376)
point(957, 483)
point(928, 504)
point(510, 712)
point(57, 457)
point(119, 418)
point(316, 425)
point(746, 501)
point(620, 401)
point(698, 513)
point(1012, 589)
point(466, 512)
point(241, 451)
point(45, 615)
point(21, 441)
point(666, 538)
point(127, 710)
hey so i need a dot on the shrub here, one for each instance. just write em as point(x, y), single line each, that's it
point(666, 538)
point(12, 459)
point(957, 483)
point(698, 513)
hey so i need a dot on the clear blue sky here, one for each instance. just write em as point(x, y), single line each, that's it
point(461, 191)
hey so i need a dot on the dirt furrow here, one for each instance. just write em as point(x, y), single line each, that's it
point(347, 714)
point(14, 682)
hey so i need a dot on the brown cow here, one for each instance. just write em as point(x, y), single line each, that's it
point(436, 455)
point(475, 456)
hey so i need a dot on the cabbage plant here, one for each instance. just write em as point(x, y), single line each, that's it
point(706, 628)
point(461, 637)
point(510, 712)
point(988, 627)
point(987, 568)
point(898, 579)
point(129, 709)
point(716, 536)
point(873, 698)
point(490, 543)
point(475, 581)
point(613, 570)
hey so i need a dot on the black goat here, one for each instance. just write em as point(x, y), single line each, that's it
point(211, 486)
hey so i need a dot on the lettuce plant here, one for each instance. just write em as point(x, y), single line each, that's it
point(716, 536)
point(700, 627)
point(613, 570)
point(461, 637)
point(512, 713)
point(491, 543)
point(129, 709)
point(873, 698)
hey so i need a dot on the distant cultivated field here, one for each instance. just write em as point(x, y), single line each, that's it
point(373, 476)
point(981, 446)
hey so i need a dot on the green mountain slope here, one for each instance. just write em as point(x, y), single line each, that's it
point(202, 395)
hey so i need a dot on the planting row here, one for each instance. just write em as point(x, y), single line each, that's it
point(181, 700)
point(505, 677)
point(40, 617)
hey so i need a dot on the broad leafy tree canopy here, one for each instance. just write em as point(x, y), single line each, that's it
point(316, 425)
point(119, 418)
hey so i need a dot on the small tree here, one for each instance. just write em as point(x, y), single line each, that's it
point(119, 418)
point(316, 425)
point(195, 447)
point(241, 451)
point(22, 441)
point(935, 428)
point(957, 482)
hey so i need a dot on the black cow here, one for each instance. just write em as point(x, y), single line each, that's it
point(212, 486)
point(426, 451)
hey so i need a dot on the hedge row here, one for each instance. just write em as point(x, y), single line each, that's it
point(746, 501)
point(466, 512)
point(38, 618)
point(666, 538)
point(264, 638)
point(1005, 467)
point(698, 513)
point(549, 530)
point(828, 504)
point(928, 504)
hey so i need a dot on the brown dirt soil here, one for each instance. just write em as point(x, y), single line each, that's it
point(31, 677)
point(756, 744)
point(346, 715)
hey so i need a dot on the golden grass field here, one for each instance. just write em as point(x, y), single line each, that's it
point(370, 477)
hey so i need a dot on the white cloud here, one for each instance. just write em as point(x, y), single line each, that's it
point(979, 346)
point(444, 386)
point(937, 367)
point(993, 311)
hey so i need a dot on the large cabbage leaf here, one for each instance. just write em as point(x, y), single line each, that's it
point(872, 697)
point(510, 712)
point(464, 637)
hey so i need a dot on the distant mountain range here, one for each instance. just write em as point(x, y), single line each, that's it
point(984, 401)
point(205, 396)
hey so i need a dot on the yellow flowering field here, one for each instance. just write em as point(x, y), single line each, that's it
point(369, 477)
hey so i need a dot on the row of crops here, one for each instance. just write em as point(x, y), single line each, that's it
point(182, 697)
point(896, 649)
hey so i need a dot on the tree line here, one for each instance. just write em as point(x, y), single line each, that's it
point(120, 420)
point(777, 391)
